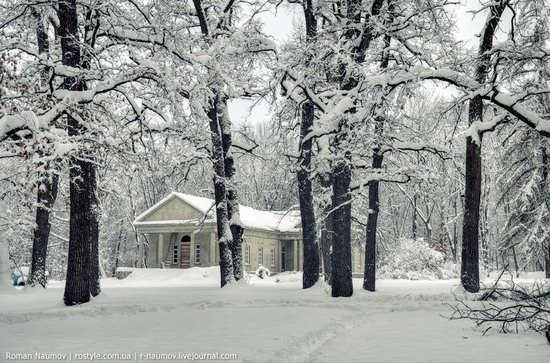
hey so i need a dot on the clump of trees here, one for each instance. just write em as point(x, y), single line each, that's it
point(106, 107)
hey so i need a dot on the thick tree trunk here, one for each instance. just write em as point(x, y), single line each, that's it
point(47, 188)
point(220, 192)
point(81, 173)
point(341, 275)
point(305, 192)
point(235, 223)
point(470, 231)
point(305, 184)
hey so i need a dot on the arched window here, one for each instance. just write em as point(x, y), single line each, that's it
point(186, 239)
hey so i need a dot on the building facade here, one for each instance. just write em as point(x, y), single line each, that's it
point(180, 232)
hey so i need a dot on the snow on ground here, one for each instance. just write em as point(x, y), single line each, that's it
point(270, 320)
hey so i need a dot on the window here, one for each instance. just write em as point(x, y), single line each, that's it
point(175, 254)
point(197, 254)
point(247, 255)
point(272, 260)
point(260, 256)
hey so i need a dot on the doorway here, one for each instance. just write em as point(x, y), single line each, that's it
point(185, 252)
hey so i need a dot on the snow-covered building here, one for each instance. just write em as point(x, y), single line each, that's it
point(181, 233)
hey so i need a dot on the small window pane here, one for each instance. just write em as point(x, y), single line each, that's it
point(197, 254)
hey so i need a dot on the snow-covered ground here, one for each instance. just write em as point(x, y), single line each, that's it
point(273, 320)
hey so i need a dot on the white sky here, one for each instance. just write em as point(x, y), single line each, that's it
point(280, 25)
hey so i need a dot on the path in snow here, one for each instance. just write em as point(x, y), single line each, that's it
point(267, 322)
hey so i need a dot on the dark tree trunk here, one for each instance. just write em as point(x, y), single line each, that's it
point(470, 231)
point(414, 219)
point(235, 223)
point(93, 237)
point(341, 198)
point(544, 187)
point(220, 192)
point(341, 275)
point(327, 232)
point(47, 194)
point(305, 192)
point(215, 117)
point(47, 187)
point(305, 184)
point(81, 173)
point(369, 278)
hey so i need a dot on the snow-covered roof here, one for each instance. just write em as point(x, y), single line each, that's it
point(281, 221)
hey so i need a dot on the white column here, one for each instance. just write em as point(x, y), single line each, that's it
point(140, 250)
point(212, 249)
point(192, 250)
point(160, 250)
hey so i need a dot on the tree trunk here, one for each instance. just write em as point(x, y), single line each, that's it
point(235, 223)
point(305, 184)
point(93, 237)
point(220, 192)
point(369, 278)
point(47, 187)
point(47, 194)
point(341, 199)
point(81, 173)
point(341, 276)
point(544, 187)
point(327, 232)
point(470, 231)
point(305, 192)
point(215, 116)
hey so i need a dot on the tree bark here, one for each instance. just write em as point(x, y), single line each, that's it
point(220, 192)
point(470, 231)
point(81, 173)
point(47, 187)
point(327, 232)
point(305, 192)
point(341, 198)
point(369, 278)
point(341, 275)
point(215, 115)
point(235, 223)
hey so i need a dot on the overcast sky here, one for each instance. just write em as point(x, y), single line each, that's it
point(288, 17)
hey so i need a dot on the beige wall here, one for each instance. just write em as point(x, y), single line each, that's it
point(174, 209)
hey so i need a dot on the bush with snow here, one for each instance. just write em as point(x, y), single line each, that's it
point(262, 272)
point(416, 260)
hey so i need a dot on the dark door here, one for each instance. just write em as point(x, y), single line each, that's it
point(283, 259)
point(185, 252)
